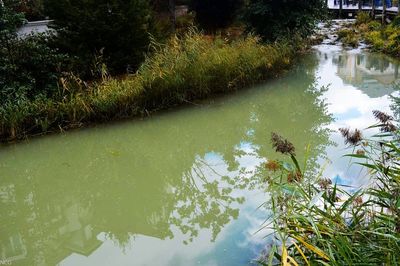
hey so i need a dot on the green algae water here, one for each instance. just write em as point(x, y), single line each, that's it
point(183, 187)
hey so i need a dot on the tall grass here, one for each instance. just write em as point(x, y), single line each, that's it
point(190, 67)
point(320, 223)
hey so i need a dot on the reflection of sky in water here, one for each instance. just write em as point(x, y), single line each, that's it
point(236, 243)
point(228, 138)
point(349, 105)
point(351, 99)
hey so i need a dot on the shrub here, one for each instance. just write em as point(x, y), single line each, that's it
point(29, 67)
point(374, 25)
point(348, 37)
point(273, 19)
point(374, 38)
point(363, 18)
point(115, 32)
point(396, 21)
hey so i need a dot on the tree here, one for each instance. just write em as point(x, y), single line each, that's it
point(29, 66)
point(215, 14)
point(273, 19)
point(114, 32)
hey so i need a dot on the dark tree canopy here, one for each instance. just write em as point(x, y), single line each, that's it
point(29, 66)
point(113, 31)
point(215, 14)
point(280, 18)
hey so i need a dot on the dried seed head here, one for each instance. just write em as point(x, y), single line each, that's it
point(272, 165)
point(294, 176)
point(282, 145)
point(388, 127)
point(360, 152)
point(358, 201)
point(381, 116)
point(324, 183)
point(351, 137)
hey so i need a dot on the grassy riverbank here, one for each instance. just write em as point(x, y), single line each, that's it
point(185, 69)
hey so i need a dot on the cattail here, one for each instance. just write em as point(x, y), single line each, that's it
point(351, 137)
point(282, 145)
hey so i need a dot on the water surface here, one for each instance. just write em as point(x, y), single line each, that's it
point(182, 187)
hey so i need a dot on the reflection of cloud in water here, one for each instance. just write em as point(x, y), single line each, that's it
point(360, 85)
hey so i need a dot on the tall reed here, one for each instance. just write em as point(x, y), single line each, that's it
point(317, 222)
point(190, 67)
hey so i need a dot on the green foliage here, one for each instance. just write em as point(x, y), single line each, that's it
point(374, 25)
point(320, 223)
point(10, 21)
point(215, 14)
point(29, 66)
point(363, 18)
point(349, 37)
point(32, 9)
point(386, 40)
point(185, 69)
point(273, 19)
point(396, 21)
point(115, 32)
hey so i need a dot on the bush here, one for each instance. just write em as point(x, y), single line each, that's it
point(115, 32)
point(273, 19)
point(363, 18)
point(374, 25)
point(348, 37)
point(29, 67)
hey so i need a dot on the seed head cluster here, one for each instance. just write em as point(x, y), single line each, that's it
point(351, 137)
point(282, 145)
point(386, 120)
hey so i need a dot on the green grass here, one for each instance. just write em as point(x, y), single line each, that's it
point(187, 68)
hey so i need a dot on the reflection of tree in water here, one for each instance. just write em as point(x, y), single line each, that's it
point(395, 106)
point(59, 193)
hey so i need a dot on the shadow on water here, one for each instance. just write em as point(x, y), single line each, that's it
point(179, 172)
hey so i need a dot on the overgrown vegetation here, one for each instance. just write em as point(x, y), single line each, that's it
point(384, 39)
point(275, 19)
point(321, 223)
point(30, 68)
point(104, 59)
point(184, 69)
point(380, 38)
point(112, 33)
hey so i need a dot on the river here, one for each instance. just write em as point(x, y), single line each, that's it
point(183, 187)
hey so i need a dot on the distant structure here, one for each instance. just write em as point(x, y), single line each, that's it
point(34, 27)
point(349, 8)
